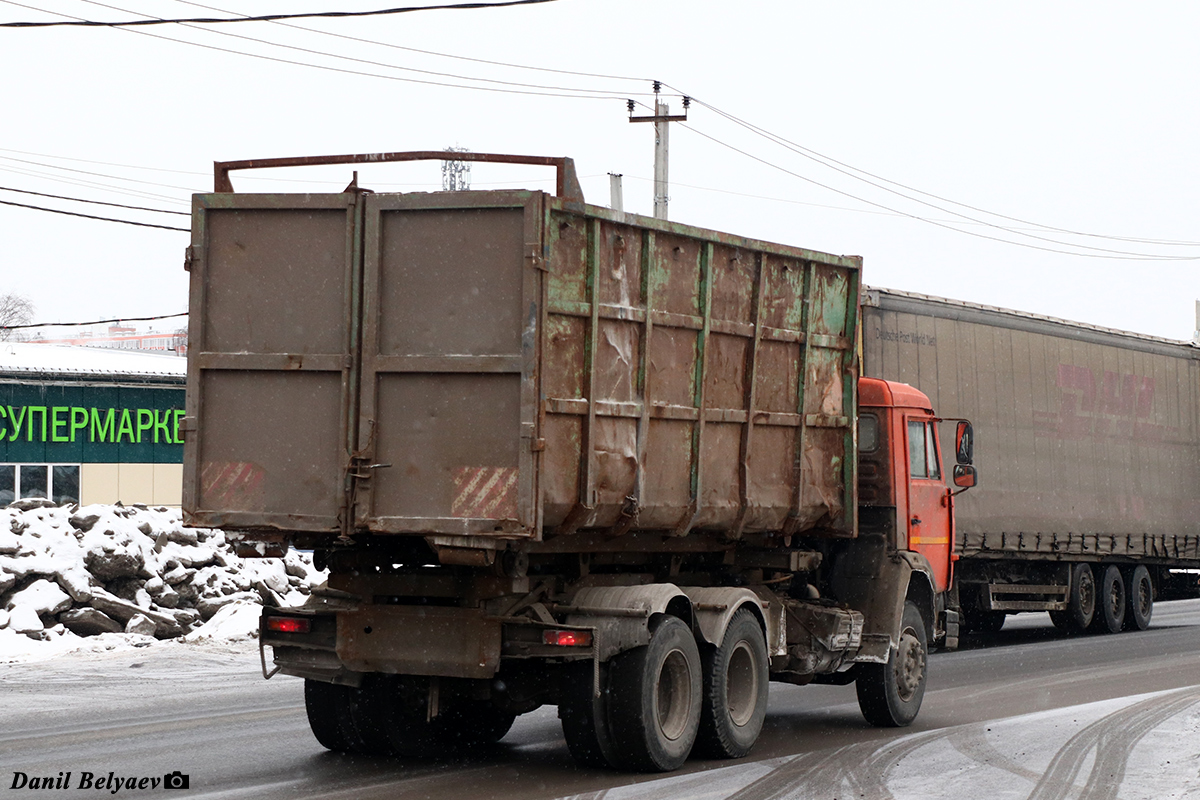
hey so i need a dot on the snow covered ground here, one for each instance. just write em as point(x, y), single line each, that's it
point(105, 577)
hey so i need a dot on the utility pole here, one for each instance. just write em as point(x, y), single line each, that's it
point(661, 117)
point(616, 196)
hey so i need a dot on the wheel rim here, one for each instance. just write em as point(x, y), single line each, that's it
point(674, 691)
point(741, 685)
point(1115, 599)
point(1087, 594)
point(909, 667)
point(1143, 598)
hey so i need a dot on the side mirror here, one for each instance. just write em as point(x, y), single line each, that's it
point(965, 476)
point(964, 444)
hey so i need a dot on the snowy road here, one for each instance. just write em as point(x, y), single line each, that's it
point(1027, 714)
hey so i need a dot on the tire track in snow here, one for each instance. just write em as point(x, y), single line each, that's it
point(973, 743)
point(1115, 747)
point(1112, 737)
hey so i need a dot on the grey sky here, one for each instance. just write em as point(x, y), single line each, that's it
point(1079, 116)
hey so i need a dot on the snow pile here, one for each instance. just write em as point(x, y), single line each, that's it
point(67, 573)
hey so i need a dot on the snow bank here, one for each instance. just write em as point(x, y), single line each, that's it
point(116, 575)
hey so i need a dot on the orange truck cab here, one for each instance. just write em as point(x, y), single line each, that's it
point(902, 489)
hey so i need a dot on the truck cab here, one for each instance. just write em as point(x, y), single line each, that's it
point(902, 489)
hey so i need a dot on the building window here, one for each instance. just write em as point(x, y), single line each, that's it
point(57, 482)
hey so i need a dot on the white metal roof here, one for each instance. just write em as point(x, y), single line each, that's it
point(58, 359)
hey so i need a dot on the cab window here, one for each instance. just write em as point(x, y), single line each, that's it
point(922, 450)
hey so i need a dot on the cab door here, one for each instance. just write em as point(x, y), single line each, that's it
point(929, 510)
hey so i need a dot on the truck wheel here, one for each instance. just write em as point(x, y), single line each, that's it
point(327, 707)
point(889, 695)
point(1110, 601)
point(585, 716)
point(471, 724)
point(735, 690)
point(370, 710)
point(1081, 601)
point(1139, 598)
point(655, 700)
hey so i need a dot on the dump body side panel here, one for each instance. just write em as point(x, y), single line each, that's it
point(1087, 440)
point(694, 380)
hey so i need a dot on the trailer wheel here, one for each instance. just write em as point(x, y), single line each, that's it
point(1081, 602)
point(656, 698)
point(328, 714)
point(1110, 601)
point(1139, 594)
point(889, 695)
point(471, 724)
point(585, 716)
point(735, 690)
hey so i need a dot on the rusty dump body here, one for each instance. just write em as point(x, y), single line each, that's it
point(490, 367)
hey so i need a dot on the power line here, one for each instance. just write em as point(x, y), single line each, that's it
point(269, 17)
point(94, 202)
point(93, 322)
point(437, 53)
point(828, 162)
point(343, 71)
point(608, 92)
point(1130, 257)
point(90, 216)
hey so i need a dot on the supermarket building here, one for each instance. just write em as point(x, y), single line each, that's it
point(90, 425)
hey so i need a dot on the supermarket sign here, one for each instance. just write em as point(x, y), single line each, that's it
point(72, 423)
point(77, 423)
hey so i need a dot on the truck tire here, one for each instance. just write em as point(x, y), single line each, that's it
point(328, 714)
point(654, 705)
point(1139, 599)
point(371, 711)
point(889, 695)
point(470, 724)
point(735, 690)
point(1110, 601)
point(1081, 599)
point(584, 716)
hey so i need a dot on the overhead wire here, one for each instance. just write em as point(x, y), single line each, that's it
point(91, 216)
point(436, 53)
point(573, 94)
point(616, 94)
point(842, 167)
point(271, 17)
point(92, 322)
point(94, 202)
point(1114, 255)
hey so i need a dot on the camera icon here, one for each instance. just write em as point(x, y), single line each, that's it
point(177, 780)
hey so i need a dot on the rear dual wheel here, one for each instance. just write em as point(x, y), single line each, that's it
point(735, 690)
point(387, 715)
point(654, 707)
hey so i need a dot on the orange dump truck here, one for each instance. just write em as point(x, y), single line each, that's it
point(556, 454)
